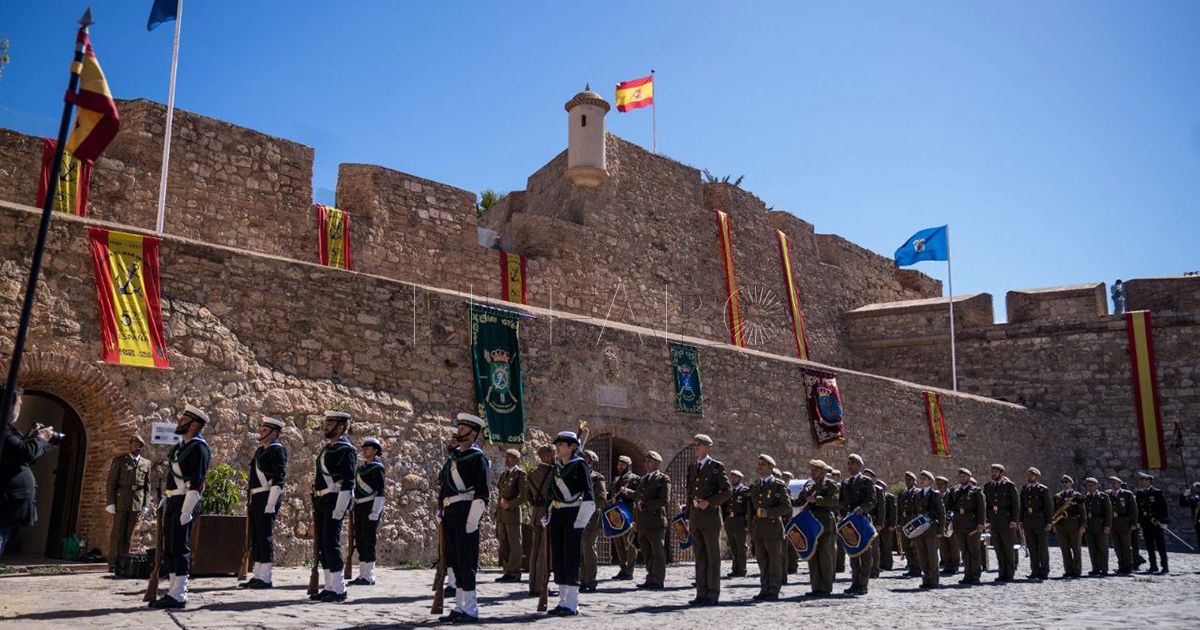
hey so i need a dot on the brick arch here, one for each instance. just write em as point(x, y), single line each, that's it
point(107, 419)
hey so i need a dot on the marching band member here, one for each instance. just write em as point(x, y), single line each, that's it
point(622, 489)
point(929, 502)
point(1124, 523)
point(970, 516)
point(1097, 525)
point(570, 510)
point(736, 512)
point(772, 503)
point(1002, 501)
point(463, 495)
point(708, 490)
point(822, 498)
point(1037, 508)
point(1068, 526)
point(858, 497)
point(650, 519)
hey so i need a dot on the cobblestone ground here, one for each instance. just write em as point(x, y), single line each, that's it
point(401, 599)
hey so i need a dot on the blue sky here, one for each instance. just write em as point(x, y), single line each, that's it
point(1060, 140)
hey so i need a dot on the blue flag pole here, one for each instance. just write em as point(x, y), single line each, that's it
point(950, 285)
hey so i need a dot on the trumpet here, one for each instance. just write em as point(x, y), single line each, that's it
point(1061, 512)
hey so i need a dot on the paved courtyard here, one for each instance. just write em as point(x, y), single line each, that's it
point(401, 599)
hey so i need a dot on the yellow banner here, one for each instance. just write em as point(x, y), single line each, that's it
point(130, 307)
point(798, 333)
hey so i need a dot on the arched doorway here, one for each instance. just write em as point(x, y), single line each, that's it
point(608, 448)
point(58, 473)
point(677, 471)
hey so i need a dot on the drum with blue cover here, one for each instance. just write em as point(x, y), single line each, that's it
point(856, 532)
point(618, 520)
point(804, 531)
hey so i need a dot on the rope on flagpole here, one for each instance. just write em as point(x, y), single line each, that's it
point(162, 179)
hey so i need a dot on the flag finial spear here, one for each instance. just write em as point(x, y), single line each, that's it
point(587, 87)
point(87, 20)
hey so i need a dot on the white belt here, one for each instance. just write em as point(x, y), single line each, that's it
point(260, 489)
point(321, 493)
point(364, 500)
point(177, 493)
point(465, 496)
point(558, 505)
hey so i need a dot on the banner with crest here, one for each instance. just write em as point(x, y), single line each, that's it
point(939, 442)
point(74, 180)
point(825, 411)
point(127, 284)
point(496, 361)
point(333, 237)
point(685, 363)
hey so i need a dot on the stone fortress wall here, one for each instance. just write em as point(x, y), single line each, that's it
point(255, 327)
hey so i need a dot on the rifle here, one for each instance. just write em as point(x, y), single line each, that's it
point(152, 585)
point(348, 570)
point(544, 595)
point(245, 566)
point(439, 579)
point(314, 579)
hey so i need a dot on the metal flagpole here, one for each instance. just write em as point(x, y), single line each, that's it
point(950, 284)
point(64, 125)
point(162, 179)
point(654, 117)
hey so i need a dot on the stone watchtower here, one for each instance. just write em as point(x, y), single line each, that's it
point(586, 163)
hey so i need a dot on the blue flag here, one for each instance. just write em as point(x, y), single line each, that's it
point(162, 11)
point(928, 244)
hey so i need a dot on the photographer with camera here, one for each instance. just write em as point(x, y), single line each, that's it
point(18, 489)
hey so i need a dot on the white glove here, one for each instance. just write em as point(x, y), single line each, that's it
point(585, 514)
point(376, 509)
point(343, 502)
point(111, 509)
point(273, 499)
point(190, 501)
point(162, 503)
point(474, 515)
point(545, 521)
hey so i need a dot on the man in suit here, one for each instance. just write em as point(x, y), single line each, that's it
point(128, 490)
point(708, 490)
point(17, 486)
point(650, 519)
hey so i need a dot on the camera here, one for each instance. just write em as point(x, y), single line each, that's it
point(56, 438)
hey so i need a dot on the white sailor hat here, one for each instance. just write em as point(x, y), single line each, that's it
point(195, 413)
point(340, 416)
point(471, 420)
point(567, 437)
point(373, 442)
point(273, 423)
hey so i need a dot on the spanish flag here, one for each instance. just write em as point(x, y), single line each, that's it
point(733, 306)
point(1145, 389)
point(798, 333)
point(333, 236)
point(939, 441)
point(127, 283)
point(636, 93)
point(97, 121)
point(512, 277)
point(74, 179)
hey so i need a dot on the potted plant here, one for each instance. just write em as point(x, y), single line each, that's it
point(219, 537)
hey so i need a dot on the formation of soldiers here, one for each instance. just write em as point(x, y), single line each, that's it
point(939, 528)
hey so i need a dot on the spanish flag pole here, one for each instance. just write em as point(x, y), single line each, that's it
point(96, 125)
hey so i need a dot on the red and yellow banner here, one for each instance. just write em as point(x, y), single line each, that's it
point(333, 236)
point(938, 439)
point(1145, 389)
point(636, 93)
point(126, 267)
point(97, 121)
point(512, 277)
point(785, 254)
point(74, 179)
point(737, 331)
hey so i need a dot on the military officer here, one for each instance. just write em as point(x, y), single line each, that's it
point(970, 517)
point(537, 495)
point(128, 490)
point(736, 512)
point(587, 578)
point(708, 490)
point(983, 556)
point(947, 550)
point(650, 519)
point(1190, 499)
point(858, 497)
point(333, 493)
point(929, 502)
point(771, 502)
point(510, 496)
point(835, 475)
point(1152, 506)
point(187, 465)
point(1037, 508)
point(1069, 526)
point(905, 505)
point(822, 498)
point(1002, 501)
point(370, 486)
point(887, 527)
point(621, 490)
point(268, 473)
point(791, 558)
point(1124, 522)
point(463, 496)
point(571, 508)
point(876, 514)
point(1097, 525)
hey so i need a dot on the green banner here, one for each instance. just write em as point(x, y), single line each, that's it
point(685, 361)
point(496, 359)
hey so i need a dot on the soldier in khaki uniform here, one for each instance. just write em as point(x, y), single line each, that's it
point(947, 549)
point(622, 489)
point(650, 519)
point(771, 503)
point(1037, 507)
point(510, 493)
point(791, 558)
point(970, 516)
point(929, 502)
point(587, 576)
point(128, 494)
point(1003, 503)
point(876, 515)
point(1124, 522)
point(1068, 527)
point(905, 505)
point(1097, 526)
point(858, 497)
point(886, 526)
point(736, 513)
point(708, 490)
point(537, 495)
point(822, 498)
